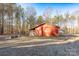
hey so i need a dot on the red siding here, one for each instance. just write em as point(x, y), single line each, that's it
point(47, 30)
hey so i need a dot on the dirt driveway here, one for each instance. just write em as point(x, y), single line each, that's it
point(24, 46)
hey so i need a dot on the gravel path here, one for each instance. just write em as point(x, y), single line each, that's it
point(40, 47)
point(69, 49)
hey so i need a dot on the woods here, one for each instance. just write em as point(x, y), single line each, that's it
point(14, 19)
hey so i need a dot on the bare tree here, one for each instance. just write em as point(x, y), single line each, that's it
point(30, 14)
point(2, 13)
point(47, 15)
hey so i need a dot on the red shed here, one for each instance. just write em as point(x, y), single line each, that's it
point(46, 30)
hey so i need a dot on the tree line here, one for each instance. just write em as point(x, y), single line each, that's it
point(14, 19)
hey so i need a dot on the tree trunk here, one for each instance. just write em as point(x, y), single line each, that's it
point(2, 29)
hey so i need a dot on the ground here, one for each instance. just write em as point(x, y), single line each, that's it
point(40, 46)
